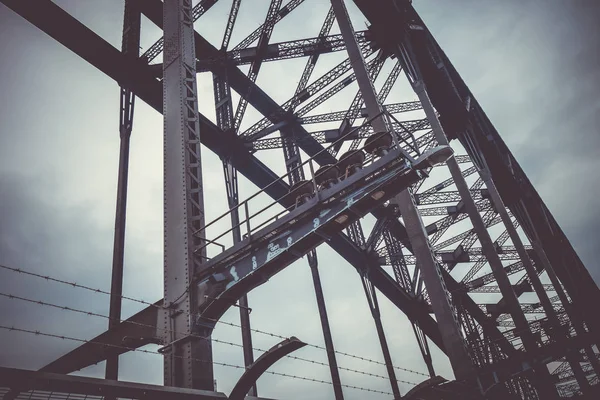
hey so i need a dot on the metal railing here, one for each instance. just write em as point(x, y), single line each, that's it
point(399, 142)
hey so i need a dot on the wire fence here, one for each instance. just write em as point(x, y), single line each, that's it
point(93, 314)
point(133, 349)
point(95, 290)
point(158, 306)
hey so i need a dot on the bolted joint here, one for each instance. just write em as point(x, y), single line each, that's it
point(202, 326)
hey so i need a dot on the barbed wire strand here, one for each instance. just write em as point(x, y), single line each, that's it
point(95, 290)
point(40, 333)
point(93, 314)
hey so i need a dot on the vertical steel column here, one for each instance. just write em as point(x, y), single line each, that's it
point(130, 46)
point(557, 333)
point(232, 196)
point(436, 288)
point(224, 113)
point(424, 347)
point(293, 161)
point(543, 382)
point(356, 234)
point(189, 361)
point(387, 357)
point(335, 375)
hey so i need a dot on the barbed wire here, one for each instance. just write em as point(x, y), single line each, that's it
point(52, 335)
point(93, 314)
point(95, 290)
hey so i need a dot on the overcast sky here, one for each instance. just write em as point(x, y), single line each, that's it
point(534, 67)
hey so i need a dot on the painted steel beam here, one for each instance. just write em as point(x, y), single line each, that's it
point(282, 13)
point(329, 136)
point(399, 231)
point(312, 61)
point(263, 41)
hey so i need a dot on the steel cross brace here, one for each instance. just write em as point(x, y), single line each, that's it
point(278, 51)
point(130, 47)
point(312, 60)
point(331, 135)
point(355, 112)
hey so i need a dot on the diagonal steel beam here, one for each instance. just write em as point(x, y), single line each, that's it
point(263, 42)
point(256, 130)
point(282, 13)
point(356, 112)
point(136, 331)
point(312, 61)
point(233, 13)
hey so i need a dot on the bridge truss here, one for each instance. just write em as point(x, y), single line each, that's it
point(465, 247)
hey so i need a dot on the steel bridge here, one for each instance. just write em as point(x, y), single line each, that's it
point(456, 218)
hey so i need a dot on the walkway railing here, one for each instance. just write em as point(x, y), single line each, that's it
point(251, 221)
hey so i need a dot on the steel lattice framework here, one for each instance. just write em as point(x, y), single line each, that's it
point(446, 236)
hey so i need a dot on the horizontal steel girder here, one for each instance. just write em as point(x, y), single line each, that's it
point(58, 383)
point(136, 76)
point(362, 112)
point(320, 137)
point(273, 52)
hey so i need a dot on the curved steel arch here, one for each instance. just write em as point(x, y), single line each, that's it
point(262, 363)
